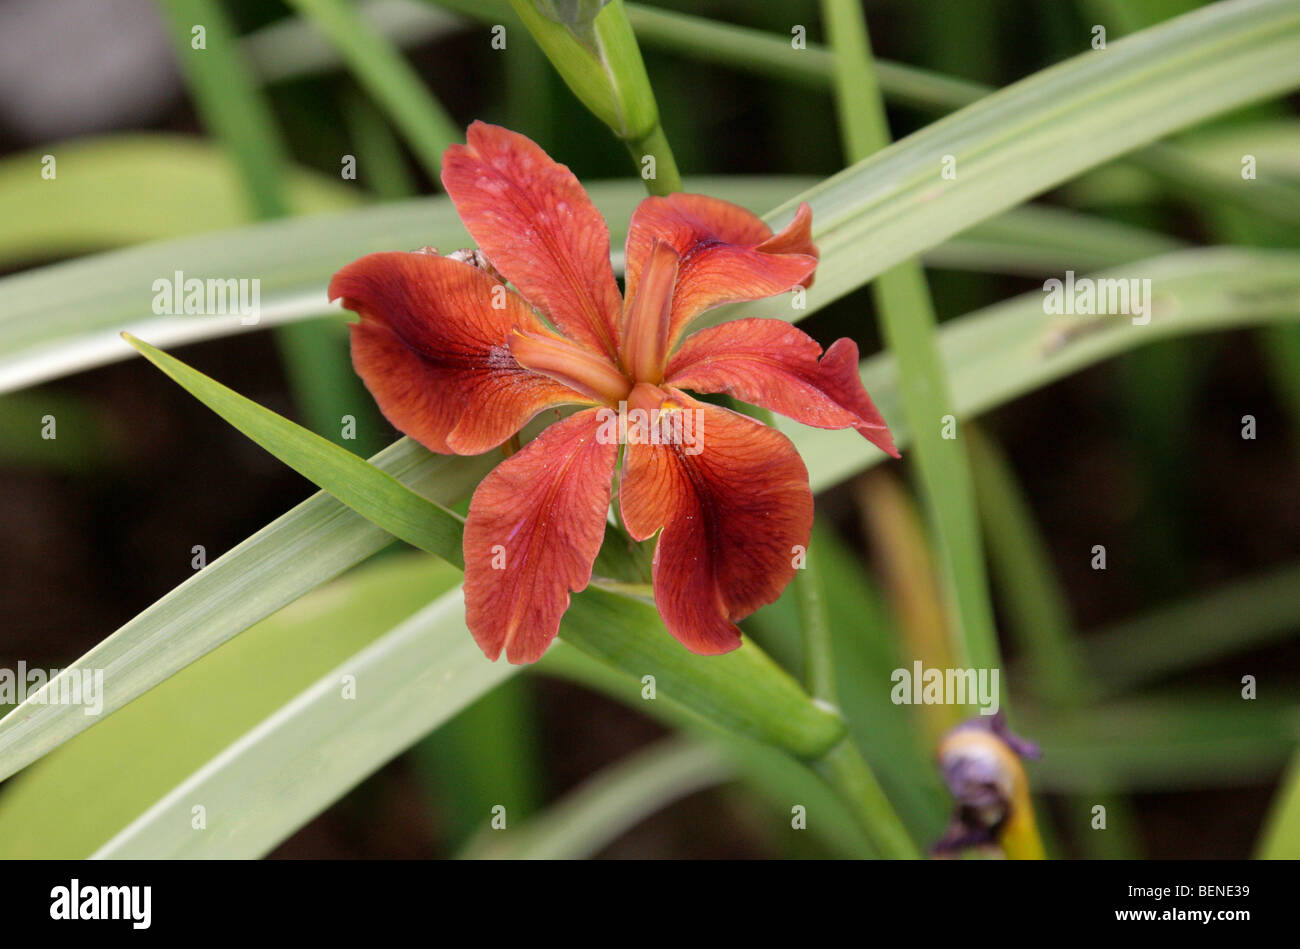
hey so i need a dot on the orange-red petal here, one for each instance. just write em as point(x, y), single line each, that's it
point(733, 517)
point(773, 364)
point(535, 525)
point(728, 253)
point(536, 224)
point(434, 350)
point(796, 238)
point(646, 320)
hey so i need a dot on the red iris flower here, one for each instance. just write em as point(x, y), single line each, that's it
point(460, 362)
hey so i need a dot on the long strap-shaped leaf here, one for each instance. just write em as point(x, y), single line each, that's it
point(294, 554)
point(1044, 130)
point(991, 356)
point(1007, 147)
point(370, 491)
point(67, 317)
point(1006, 350)
point(744, 691)
point(406, 683)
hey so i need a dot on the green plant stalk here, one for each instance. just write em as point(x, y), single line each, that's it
point(780, 777)
point(844, 767)
point(232, 108)
point(819, 660)
point(908, 326)
point(380, 160)
point(380, 68)
point(666, 178)
point(604, 69)
point(763, 53)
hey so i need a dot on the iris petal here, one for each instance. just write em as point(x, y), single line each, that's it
point(535, 525)
point(433, 349)
point(536, 224)
point(732, 517)
point(728, 254)
point(773, 364)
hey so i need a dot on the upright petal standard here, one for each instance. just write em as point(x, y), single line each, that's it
point(457, 356)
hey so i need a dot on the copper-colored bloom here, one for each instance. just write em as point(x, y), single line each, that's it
point(460, 362)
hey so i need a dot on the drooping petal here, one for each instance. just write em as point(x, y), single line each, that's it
point(728, 254)
point(732, 515)
point(536, 224)
point(535, 525)
point(773, 364)
point(796, 238)
point(434, 350)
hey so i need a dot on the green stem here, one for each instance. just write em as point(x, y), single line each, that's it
point(908, 326)
point(422, 120)
point(379, 153)
point(666, 179)
point(843, 766)
point(763, 53)
point(819, 660)
point(234, 110)
point(848, 772)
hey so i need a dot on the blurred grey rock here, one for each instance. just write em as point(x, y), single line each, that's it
point(70, 67)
